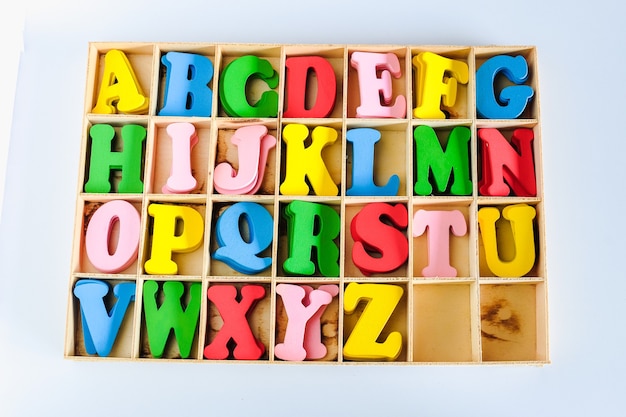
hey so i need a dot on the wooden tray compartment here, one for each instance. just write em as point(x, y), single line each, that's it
point(442, 130)
point(507, 245)
point(444, 324)
point(460, 247)
point(255, 87)
point(331, 154)
point(117, 145)
point(513, 321)
point(124, 341)
point(390, 155)
point(221, 269)
point(226, 151)
point(159, 169)
point(259, 316)
point(89, 207)
point(329, 321)
point(464, 104)
point(506, 129)
point(207, 51)
point(400, 86)
point(483, 53)
point(336, 56)
point(398, 321)
point(149, 346)
point(189, 263)
point(139, 55)
point(282, 239)
point(351, 269)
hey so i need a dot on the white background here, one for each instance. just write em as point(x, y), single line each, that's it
point(582, 65)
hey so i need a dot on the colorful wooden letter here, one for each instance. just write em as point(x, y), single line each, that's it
point(436, 79)
point(373, 88)
point(363, 141)
point(187, 79)
point(104, 159)
point(298, 69)
point(430, 158)
point(512, 100)
point(166, 239)
point(362, 343)
point(98, 236)
point(253, 144)
point(162, 318)
point(184, 138)
point(239, 252)
point(119, 89)
point(301, 305)
point(439, 224)
point(236, 327)
point(100, 327)
point(312, 225)
point(233, 87)
point(519, 242)
point(313, 345)
point(308, 163)
point(371, 234)
point(511, 162)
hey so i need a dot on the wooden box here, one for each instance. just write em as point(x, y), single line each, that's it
point(208, 229)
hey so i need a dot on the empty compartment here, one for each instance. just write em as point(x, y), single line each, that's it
point(442, 322)
point(510, 324)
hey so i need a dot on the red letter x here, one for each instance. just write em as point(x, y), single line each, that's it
point(235, 325)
